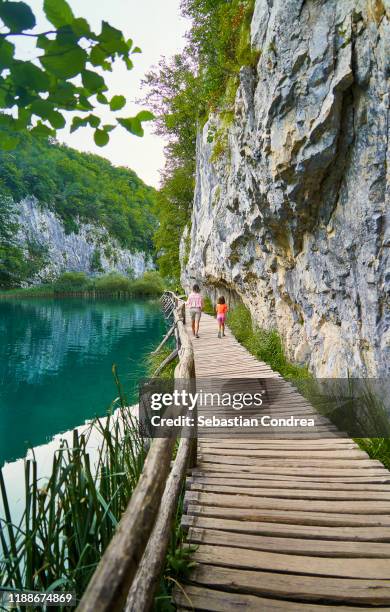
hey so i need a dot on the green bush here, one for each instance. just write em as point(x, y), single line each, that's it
point(113, 283)
point(265, 345)
point(151, 284)
point(70, 282)
point(208, 307)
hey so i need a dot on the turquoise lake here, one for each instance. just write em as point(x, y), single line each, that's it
point(56, 359)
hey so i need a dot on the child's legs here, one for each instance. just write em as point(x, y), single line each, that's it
point(192, 313)
point(197, 319)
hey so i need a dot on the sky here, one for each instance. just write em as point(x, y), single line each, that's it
point(157, 27)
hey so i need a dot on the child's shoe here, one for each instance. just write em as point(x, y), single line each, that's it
point(219, 334)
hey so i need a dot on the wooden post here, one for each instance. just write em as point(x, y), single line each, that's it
point(113, 577)
point(144, 586)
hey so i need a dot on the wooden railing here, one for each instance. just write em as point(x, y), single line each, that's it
point(129, 571)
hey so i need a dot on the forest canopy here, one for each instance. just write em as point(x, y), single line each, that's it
point(78, 187)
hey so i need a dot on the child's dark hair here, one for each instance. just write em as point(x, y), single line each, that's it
point(221, 300)
point(196, 288)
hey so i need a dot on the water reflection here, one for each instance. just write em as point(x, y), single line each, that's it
point(55, 363)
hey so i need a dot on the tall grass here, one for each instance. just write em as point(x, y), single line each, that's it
point(355, 407)
point(265, 345)
point(71, 516)
point(153, 361)
point(78, 283)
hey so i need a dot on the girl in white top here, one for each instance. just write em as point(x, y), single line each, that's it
point(195, 304)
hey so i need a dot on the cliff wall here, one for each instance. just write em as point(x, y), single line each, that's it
point(291, 209)
point(91, 250)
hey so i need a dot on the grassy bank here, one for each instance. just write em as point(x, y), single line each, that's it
point(265, 345)
point(79, 284)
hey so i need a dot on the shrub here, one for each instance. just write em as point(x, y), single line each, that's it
point(113, 283)
point(208, 307)
point(69, 282)
point(264, 344)
point(96, 261)
point(151, 284)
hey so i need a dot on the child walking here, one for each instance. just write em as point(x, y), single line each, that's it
point(195, 304)
point(221, 309)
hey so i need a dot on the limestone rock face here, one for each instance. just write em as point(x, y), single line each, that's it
point(76, 252)
point(293, 215)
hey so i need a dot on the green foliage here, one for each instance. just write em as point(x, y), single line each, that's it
point(11, 255)
point(151, 285)
point(154, 360)
point(173, 207)
point(220, 40)
point(44, 290)
point(181, 93)
point(113, 283)
point(72, 282)
point(96, 261)
point(208, 306)
point(43, 92)
point(376, 448)
point(264, 344)
point(78, 186)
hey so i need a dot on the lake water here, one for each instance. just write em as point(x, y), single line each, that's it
point(56, 360)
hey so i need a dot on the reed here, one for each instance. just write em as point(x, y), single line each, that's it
point(70, 517)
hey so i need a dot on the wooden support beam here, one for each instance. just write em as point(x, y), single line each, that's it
point(113, 577)
point(166, 361)
point(163, 341)
point(144, 586)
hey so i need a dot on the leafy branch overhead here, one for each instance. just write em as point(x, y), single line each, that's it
point(66, 76)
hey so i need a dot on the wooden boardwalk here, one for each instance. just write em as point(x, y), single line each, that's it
point(283, 524)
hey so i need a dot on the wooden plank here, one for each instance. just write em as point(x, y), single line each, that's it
point(297, 462)
point(248, 444)
point(199, 598)
point(296, 517)
point(356, 454)
point(350, 567)
point(313, 506)
point(296, 546)
point(240, 500)
point(353, 534)
point(302, 587)
point(298, 485)
point(292, 493)
point(303, 470)
point(253, 474)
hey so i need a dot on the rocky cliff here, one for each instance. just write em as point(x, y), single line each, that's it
point(91, 250)
point(291, 208)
